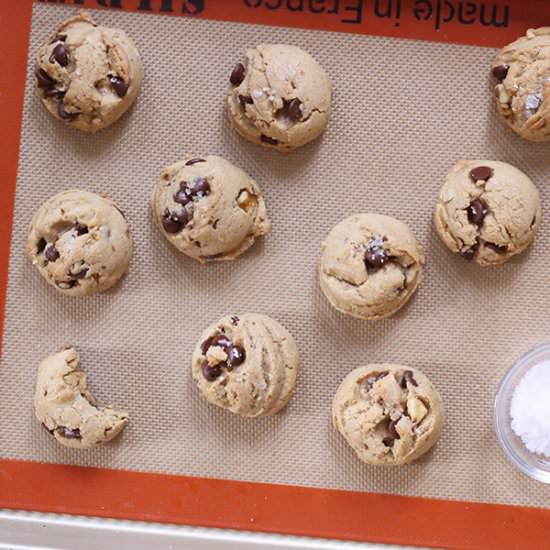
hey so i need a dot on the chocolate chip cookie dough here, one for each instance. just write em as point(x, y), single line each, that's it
point(209, 209)
point(522, 72)
point(388, 414)
point(67, 409)
point(88, 75)
point(279, 97)
point(487, 211)
point(79, 242)
point(370, 266)
point(247, 364)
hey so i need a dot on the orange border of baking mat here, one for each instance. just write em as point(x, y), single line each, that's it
point(235, 504)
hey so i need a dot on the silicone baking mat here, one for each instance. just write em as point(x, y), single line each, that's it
point(404, 111)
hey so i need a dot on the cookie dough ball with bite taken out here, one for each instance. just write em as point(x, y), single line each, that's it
point(66, 408)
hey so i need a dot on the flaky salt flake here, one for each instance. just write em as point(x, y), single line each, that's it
point(376, 242)
point(533, 101)
point(532, 104)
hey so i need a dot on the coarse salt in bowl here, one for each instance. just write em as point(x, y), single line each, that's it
point(522, 414)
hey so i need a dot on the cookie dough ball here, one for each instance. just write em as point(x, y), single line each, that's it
point(522, 71)
point(79, 242)
point(370, 266)
point(247, 364)
point(388, 414)
point(280, 97)
point(487, 211)
point(66, 408)
point(88, 75)
point(209, 209)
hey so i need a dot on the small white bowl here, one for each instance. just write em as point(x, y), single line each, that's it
point(535, 466)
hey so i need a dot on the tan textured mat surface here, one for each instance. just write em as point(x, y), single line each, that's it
point(404, 112)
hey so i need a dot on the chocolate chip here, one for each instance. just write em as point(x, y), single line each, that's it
point(408, 377)
point(52, 254)
point(375, 377)
point(267, 139)
point(40, 246)
point(217, 339)
point(119, 85)
point(295, 109)
point(477, 212)
point(499, 249)
point(375, 256)
point(80, 229)
point(80, 273)
point(245, 99)
point(235, 320)
point(500, 72)
point(481, 173)
point(47, 429)
point(54, 93)
point(235, 356)
point(237, 75)
point(211, 372)
point(392, 430)
point(45, 81)
point(470, 253)
point(174, 222)
point(194, 161)
point(222, 341)
point(201, 187)
point(62, 113)
point(69, 433)
point(388, 441)
point(183, 196)
point(58, 38)
point(205, 346)
point(60, 54)
point(235, 353)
